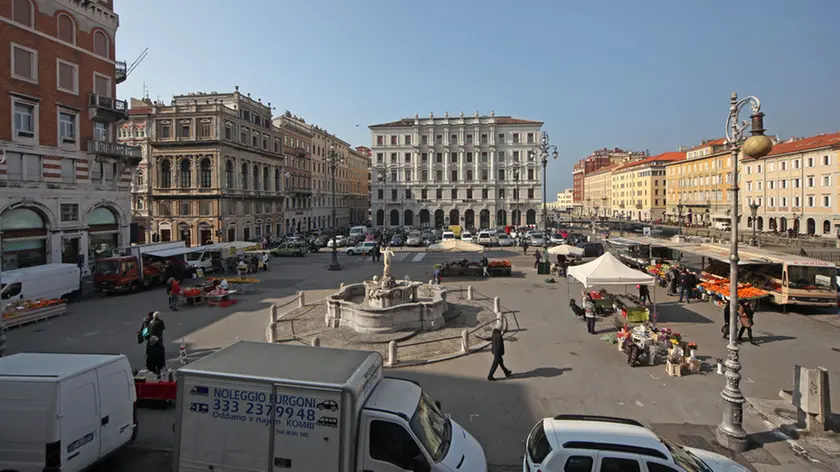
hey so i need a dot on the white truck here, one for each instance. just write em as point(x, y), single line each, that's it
point(281, 408)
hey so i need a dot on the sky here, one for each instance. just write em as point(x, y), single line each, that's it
point(635, 74)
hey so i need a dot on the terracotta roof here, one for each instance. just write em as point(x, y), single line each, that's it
point(713, 142)
point(499, 120)
point(665, 156)
point(603, 169)
point(806, 144)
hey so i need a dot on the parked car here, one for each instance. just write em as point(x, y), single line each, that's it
point(583, 442)
point(415, 239)
point(466, 237)
point(396, 241)
point(447, 236)
point(592, 249)
point(340, 240)
point(429, 238)
point(485, 238)
point(536, 240)
point(504, 240)
point(557, 238)
point(321, 241)
point(361, 249)
point(288, 249)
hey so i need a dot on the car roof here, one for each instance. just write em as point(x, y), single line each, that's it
point(560, 431)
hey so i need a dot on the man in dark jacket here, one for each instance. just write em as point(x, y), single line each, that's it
point(686, 283)
point(155, 355)
point(497, 347)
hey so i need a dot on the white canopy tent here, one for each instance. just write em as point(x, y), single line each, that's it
point(565, 250)
point(608, 270)
point(455, 245)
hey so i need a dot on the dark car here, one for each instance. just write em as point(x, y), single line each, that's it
point(397, 241)
point(321, 241)
point(592, 249)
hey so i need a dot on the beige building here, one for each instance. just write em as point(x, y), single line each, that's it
point(597, 192)
point(638, 187)
point(214, 169)
point(350, 172)
point(795, 186)
point(698, 186)
point(566, 199)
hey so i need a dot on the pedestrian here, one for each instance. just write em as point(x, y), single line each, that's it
point(725, 328)
point(484, 264)
point(537, 258)
point(671, 279)
point(376, 252)
point(644, 293)
point(524, 247)
point(684, 284)
point(265, 258)
point(171, 285)
point(143, 334)
point(155, 355)
point(436, 276)
point(157, 326)
point(746, 314)
point(589, 313)
point(497, 347)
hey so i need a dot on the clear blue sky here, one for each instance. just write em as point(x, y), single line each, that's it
point(637, 74)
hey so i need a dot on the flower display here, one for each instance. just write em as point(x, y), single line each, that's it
point(692, 346)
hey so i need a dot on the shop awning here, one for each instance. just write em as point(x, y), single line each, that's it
point(174, 251)
point(721, 254)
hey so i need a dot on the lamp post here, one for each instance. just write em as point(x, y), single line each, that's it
point(730, 432)
point(516, 166)
point(333, 159)
point(754, 211)
point(544, 149)
point(679, 217)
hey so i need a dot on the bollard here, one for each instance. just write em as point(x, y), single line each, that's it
point(272, 332)
point(431, 282)
point(341, 286)
point(301, 299)
point(499, 319)
point(469, 292)
point(316, 342)
point(465, 341)
point(497, 305)
point(274, 313)
point(392, 354)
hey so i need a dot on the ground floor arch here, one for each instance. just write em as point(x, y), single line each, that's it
point(531, 217)
point(501, 218)
point(380, 217)
point(408, 218)
point(484, 218)
point(395, 217)
point(469, 218)
point(439, 218)
point(454, 217)
point(424, 217)
point(811, 226)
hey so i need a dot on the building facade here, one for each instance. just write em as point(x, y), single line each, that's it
point(698, 186)
point(216, 169)
point(65, 179)
point(795, 187)
point(358, 192)
point(350, 175)
point(565, 199)
point(367, 152)
point(475, 171)
point(597, 195)
point(135, 131)
point(597, 160)
point(297, 148)
point(638, 187)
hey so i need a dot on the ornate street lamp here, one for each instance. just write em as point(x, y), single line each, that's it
point(679, 216)
point(516, 166)
point(544, 149)
point(754, 211)
point(730, 432)
point(333, 159)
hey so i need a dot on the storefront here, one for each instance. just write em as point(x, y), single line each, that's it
point(103, 232)
point(24, 239)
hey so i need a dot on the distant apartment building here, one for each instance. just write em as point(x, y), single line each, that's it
point(475, 171)
point(597, 196)
point(597, 160)
point(565, 199)
point(367, 152)
point(638, 187)
point(298, 182)
point(350, 181)
point(795, 187)
point(698, 186)
point(65, 180)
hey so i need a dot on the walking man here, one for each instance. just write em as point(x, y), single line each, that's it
point(524, 247)
point(484, 264)
point(746, 314)
point(497, 347)
point(644, 294)
point(589, 313)
point(537, 258)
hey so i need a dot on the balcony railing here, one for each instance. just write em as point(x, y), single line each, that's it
point(107, 108)
point(105, 148)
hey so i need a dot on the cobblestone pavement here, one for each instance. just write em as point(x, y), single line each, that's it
point(558, 367)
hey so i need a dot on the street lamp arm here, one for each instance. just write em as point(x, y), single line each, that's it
point(735, 127)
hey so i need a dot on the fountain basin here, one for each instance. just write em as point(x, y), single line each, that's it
point(407, 306)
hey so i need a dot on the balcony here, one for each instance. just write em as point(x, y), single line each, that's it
point(132, 154)
point(120, 72)
point(107, 109)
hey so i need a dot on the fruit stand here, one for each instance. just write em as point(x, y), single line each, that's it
point(498, 267)
point(467, 267)
point(29, 311)
point(717, 288)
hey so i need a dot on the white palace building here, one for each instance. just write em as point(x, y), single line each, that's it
point(476, 171)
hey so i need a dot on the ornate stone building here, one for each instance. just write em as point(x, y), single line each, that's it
point(216, 169)
point(475, 171)
point(297, 153)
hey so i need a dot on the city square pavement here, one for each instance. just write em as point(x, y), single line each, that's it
point(558, 367)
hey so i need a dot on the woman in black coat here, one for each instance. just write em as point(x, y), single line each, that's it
point(155, 355)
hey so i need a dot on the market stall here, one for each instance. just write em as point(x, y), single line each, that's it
point(28, 311)
point(455, 245)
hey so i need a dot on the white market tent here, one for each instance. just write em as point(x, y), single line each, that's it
point(455, 245)
point(565, 250)
point(608, 270)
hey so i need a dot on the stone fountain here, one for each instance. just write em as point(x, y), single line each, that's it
point(385, 304)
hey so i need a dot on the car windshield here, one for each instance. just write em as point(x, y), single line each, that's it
point(432, 429)
point(684, 458)
point(811, 278)
point(107, 267)
point(194, 256)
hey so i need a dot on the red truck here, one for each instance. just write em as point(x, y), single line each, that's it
point(135, 267)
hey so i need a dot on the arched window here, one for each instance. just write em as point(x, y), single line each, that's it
point(229, 174)
point(66, 28)
point(186, 174)
point(244, 176)
point(206, 173)
point(165, 174)
point(266, 179)
point(256, 177)
point(101, 44)
point(278, 184)
point(23, 12)
point(24, 239)
point(140, 181)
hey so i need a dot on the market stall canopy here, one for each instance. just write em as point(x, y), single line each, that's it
point(565, 250)
point(607, 270)
point(721, 253)
point(455, 245)
point(220, 247)
point(175, 251)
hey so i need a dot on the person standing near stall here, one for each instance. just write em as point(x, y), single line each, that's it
point(589, 313)
point(746, 314)
point(644, 294)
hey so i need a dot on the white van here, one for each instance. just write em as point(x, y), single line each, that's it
point(359, 231)
point(69, 411)
point(723, 225)
point(43, 281)
point(447, 235)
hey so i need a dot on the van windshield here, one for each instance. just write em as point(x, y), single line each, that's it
point(432, 429)
point(194, 256)
point(107, 267)
point(812, 278)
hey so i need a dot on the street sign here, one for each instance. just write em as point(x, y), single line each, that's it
point(646, 231)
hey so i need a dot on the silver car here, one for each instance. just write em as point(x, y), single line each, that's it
point(414, 240)
point(504, 240)
point(536, 240)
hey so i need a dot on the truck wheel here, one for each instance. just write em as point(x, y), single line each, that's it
point(349, 253)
